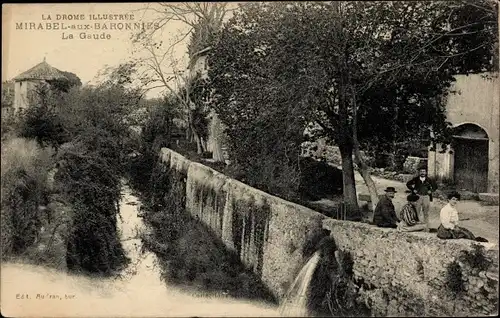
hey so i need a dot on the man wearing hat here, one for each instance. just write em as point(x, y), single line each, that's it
point(424, 188)
point(409, 216)
point(385, 214)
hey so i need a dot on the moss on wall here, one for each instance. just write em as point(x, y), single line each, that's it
point(395, 273)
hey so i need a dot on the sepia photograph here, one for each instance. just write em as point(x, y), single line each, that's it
point(250, 159)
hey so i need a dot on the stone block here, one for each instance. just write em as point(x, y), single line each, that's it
point(364, 197)
point(489, 198)
point(405, 177)
point(412, 164)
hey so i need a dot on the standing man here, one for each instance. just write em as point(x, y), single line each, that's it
point(385, 214)
point(424, 187)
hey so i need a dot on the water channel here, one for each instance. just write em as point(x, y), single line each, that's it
point(36, 291)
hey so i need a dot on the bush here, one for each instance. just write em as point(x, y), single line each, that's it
point(90, 182)
point(318, 179)
point(25, 168)
point(269, 174)
point(43, 124)
point(10, 123)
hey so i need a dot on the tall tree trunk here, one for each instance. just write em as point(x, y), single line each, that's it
point(363, 168)
point(349, 183)
point(197, 139)
point(203, 144)
point(194, 136)
point(215, 132)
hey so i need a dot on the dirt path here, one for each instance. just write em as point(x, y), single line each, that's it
point(139, 292)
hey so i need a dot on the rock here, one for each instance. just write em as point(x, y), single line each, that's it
point(492, 275)
point(411, 164)
point(489, 198)
point(480, 284)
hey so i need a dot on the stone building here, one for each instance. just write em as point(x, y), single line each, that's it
point(198, 65)
point(26, 82)
point(473, 109)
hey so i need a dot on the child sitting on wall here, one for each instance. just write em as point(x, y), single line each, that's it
point(409, 216)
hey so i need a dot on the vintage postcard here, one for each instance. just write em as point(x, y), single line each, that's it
point(250, 159)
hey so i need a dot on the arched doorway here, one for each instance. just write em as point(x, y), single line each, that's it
point(471, 158)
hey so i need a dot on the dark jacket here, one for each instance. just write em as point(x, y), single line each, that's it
point(385, 212)
point(422, 188)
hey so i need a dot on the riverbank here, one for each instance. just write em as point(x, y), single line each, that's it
point(137, 292)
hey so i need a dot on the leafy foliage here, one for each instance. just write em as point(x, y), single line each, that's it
point(64, 85)
point(318, 179)
point(41, 122)
point(90, 168)
point(366, 72)
point(92, 187)
point(7, 93)
point(198, 93)
point(25, 166)
point(157, 131)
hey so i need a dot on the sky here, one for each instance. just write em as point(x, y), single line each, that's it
point(24, 47)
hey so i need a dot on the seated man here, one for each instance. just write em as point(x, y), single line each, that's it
point(385, 214)
point(409, 216)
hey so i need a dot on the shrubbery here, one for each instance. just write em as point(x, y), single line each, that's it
point(89, 174)
point(42, 124)
point(318, 179)
point(90, 128)
point(25, 167)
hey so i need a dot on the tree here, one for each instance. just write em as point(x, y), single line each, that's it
point(351, 62)
point(90, 166)
point(201, 21)
point(7, 115)
point(7, 93)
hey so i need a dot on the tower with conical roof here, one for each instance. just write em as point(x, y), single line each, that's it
point(26, 82)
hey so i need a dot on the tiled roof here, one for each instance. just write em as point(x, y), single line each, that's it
point(42, 71)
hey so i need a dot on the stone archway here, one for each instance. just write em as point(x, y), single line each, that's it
point(471, 158)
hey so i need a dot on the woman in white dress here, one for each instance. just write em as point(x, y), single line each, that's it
point(449, 228)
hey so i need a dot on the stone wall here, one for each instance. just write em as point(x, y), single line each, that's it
point(267, 232)
point(405, 273)
point(400, 273)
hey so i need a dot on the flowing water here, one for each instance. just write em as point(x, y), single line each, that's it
point(35, 291)
point(295, 303)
